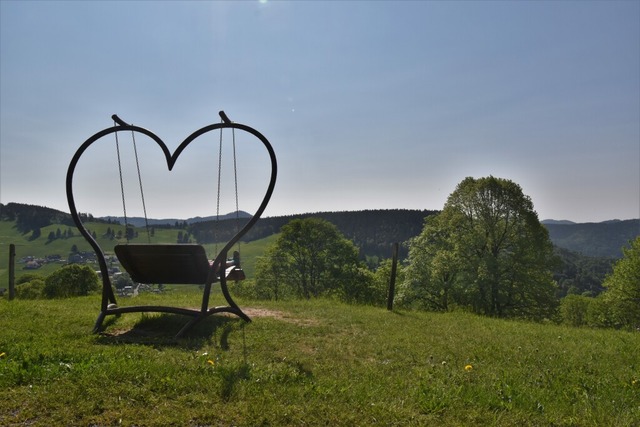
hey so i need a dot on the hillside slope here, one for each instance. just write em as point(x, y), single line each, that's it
point(373, 231)
point(602, 239)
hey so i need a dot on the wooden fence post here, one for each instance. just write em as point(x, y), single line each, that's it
point(392, 281)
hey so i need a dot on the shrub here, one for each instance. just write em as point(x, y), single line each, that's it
point(122, 281)
point(29, 277)
point(30, 290)
point(599, 313)
point(71, 280)
point(574, 309)
point(623, 289)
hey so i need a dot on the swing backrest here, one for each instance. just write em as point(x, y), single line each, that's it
point(164, 263)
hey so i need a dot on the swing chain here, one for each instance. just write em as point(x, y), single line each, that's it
point(117, 121)
point(144, 206)
point(215, 228)
point(235, 178)
point(124, 205)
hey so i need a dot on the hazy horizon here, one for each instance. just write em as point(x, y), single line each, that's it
point(231, 213)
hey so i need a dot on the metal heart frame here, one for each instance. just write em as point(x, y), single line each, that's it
point(109, 304)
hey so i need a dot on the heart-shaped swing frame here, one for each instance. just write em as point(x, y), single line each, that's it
point(216, 270)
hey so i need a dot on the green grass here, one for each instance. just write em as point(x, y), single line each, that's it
point(40, 247)
point(308, 363)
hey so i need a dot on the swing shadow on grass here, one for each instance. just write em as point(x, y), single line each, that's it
point(159, 330)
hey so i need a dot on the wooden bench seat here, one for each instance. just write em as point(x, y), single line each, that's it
point(169, 263)
point(164, 263)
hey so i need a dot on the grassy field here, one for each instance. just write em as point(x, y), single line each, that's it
point(308, 363)
point(41, 247)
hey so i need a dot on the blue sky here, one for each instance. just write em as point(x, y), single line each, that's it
point(369, 105)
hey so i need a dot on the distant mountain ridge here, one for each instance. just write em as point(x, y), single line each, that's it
point(595, 239)
point(372, 230)
point(555, 221)
point(137, 221)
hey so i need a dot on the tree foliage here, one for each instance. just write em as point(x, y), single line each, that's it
point(71, 280)
point(486, 252)
point(31, 217)
point(622, 295)
point(578, 274)
point(30, 290)
point(311, 258)
point(574, 309)
point(381, 281)
point(581, 310)
point(29, 277)
point(123, 280)
point(30, 286)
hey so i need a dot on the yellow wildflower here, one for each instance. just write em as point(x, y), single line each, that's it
point(468, 368)
point(3, 354)
point(210, 362)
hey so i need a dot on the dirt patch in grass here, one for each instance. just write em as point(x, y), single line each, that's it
point(279, 315)
point(263, 312)
point(166, 325)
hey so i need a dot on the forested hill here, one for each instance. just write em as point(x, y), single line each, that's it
point(373, 231)
point(31, 217)
point(602, 239)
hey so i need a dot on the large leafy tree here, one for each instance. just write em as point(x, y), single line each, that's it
point(430, 278)
point(622, 295)
point(486, 251)
point(310, 258)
